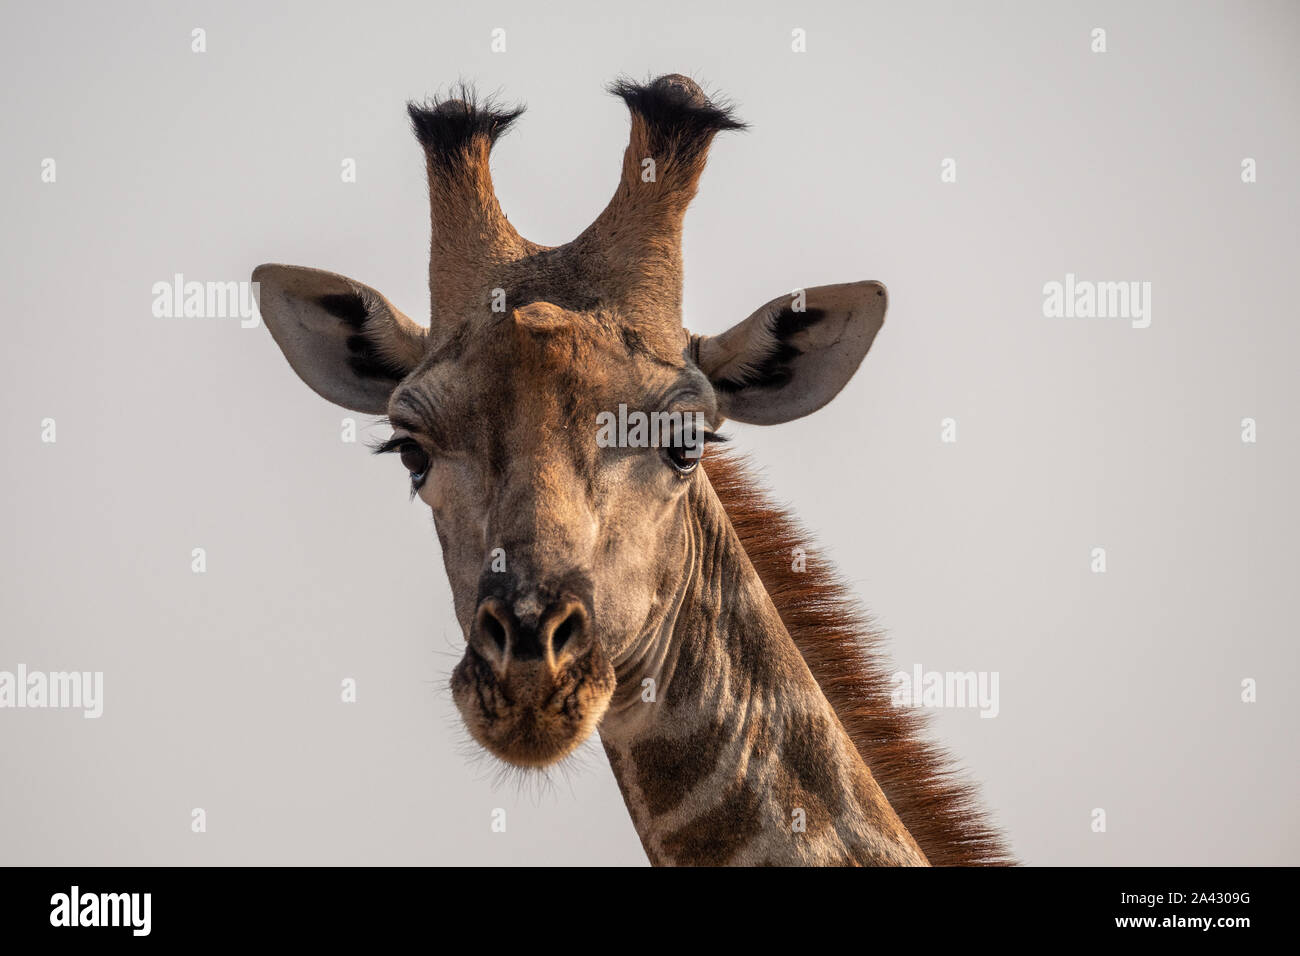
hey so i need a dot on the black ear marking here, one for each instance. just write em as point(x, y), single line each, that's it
point(365, 360)
point(368, 362)
point(347, 306)
point(773, 370)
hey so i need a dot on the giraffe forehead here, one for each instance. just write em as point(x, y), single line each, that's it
point(575, 354)
point(519, 378)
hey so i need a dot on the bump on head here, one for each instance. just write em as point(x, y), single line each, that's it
point(542, 317)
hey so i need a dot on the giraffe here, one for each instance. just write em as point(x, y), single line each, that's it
point(628, 591)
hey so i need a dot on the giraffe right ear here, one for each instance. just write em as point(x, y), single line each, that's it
point(344, 339)
point(794, 354)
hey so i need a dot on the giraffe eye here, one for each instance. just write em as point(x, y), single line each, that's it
point(415, 460)
point(683, 458)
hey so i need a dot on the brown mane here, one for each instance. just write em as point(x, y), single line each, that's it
point(841, 648)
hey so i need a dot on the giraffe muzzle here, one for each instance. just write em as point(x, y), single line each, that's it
point(534, 681)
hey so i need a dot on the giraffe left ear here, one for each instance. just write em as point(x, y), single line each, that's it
point(344, 339)
point(794, 354)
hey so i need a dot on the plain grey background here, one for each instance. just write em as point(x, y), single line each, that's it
point(1118, 691)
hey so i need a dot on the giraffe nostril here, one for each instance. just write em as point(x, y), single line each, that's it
point(495, 630)
point(565, 630)
point(500, 637)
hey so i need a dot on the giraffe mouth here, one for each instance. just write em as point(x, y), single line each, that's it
point(532, 713)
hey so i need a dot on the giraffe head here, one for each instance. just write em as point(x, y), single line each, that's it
point(562, 533)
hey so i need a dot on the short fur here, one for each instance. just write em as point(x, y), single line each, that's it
point(746, 734)
point(841, 648)
point(773, 370)
point(471, 239)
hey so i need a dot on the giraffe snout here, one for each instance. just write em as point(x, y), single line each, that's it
point(534, 682)
point(530, 631)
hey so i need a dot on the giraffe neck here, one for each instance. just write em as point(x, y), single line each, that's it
point(733, 755)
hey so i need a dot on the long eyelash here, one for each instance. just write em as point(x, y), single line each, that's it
point(392, 445)
point(384, 447)
point(711, 438)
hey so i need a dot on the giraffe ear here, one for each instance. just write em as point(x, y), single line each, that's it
point(794, 354)
point(344, 339)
